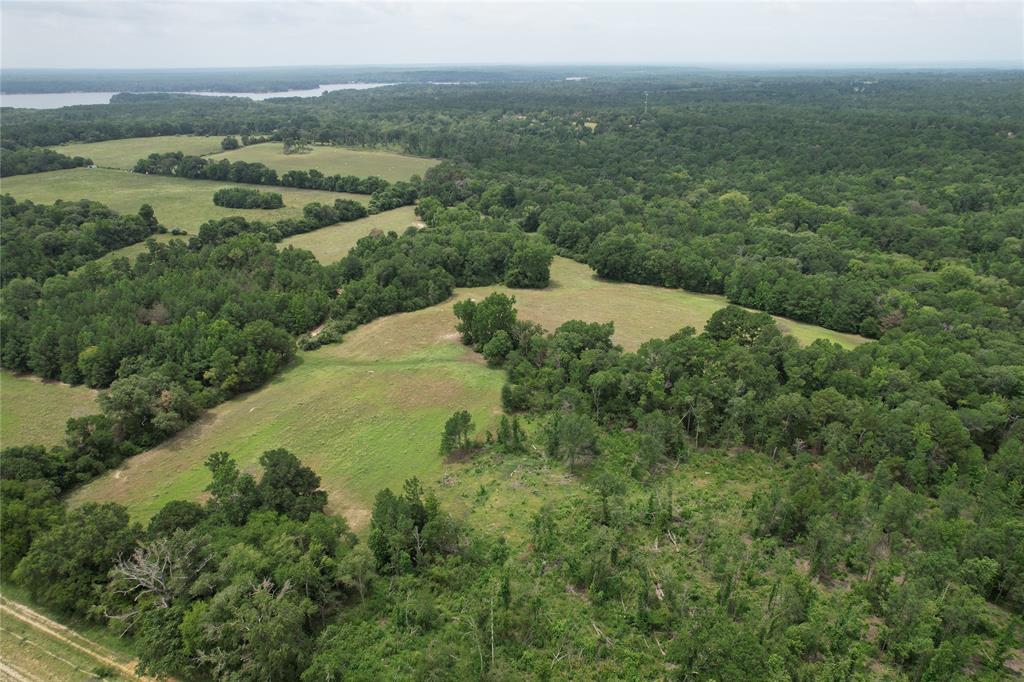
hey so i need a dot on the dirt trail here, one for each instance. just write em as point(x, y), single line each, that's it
point(13, 609)
point(9, 672)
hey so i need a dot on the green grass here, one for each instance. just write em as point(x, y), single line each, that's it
point(41, 645)
point(332, 243)
point(123, 154)
point(35, 412)
point(368, 413)
point(178, 202)
point(640, 312)
point(362, 421)
point(333, 160)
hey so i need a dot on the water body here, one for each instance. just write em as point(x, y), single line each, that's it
point(55, 100)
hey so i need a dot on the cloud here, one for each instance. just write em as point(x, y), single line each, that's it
point(123, 34)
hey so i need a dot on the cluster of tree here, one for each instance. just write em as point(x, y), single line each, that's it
point(387, 274)
point(314, 216)
point(240, 197)
point(181, 329)
point(236, 588)
point(384, 195)
point(198, 168)
point(36, 160)
point(40, 241)
point(314, 179)
point(230, 142)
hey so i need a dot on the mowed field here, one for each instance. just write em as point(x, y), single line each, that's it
point(178, 202)
point(332, 243)
point(123, 154)
point(368, 413)
point(333, 160)
point(35, 412)
point(35, 647)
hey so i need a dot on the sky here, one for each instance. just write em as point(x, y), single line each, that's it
point(211, 33)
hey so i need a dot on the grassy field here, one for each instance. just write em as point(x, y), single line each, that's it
point(364, 417)
point(368, 413)
point(35, 646)
point(123, 154)
point(333, 160)
point(178, 202)
point(332, 243)
point(33, 411)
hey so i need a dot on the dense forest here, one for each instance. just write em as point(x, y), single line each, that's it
point(882, 539)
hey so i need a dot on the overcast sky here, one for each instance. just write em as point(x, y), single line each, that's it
point(141, 34)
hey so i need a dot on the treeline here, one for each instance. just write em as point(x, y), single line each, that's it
point(40, 241)
point(386, 274)
point(384, 195)
point(239, 197)
point(36, 160)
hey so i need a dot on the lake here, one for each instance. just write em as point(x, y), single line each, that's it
point(55, 100)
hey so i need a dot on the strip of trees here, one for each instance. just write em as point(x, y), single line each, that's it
point(240, 197)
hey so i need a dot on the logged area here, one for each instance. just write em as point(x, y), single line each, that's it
point(331, 160)
point(34, 411)
point(178, 202)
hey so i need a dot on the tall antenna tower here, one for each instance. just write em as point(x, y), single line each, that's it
point(645, 102)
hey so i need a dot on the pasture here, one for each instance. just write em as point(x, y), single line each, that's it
point(122, 154)
point(368, 413)
point(332, 243)
point(178, 202)
point(35, 412)
point(331, 160)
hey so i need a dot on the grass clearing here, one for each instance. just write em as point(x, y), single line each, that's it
point(35, 412)
point(331, 160)
point(122, 154)
point(368, 413)
point(178, 202)
point(332, 243)
point(362, 421)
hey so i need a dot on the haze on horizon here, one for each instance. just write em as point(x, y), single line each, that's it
point(192, 34)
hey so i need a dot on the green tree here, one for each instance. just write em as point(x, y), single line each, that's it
point(457, 432)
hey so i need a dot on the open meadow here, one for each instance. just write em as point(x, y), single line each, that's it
point(332, 243)
point(178, 202)
point(33, 411)
point(122, 154)
point(332, 160)
point(368, 413)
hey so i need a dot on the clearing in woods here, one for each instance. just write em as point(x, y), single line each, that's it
point(33, 411)
point(332, 243)
point(122, 154)
point(368, 413)
point(331, 160)
point(178, 202)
